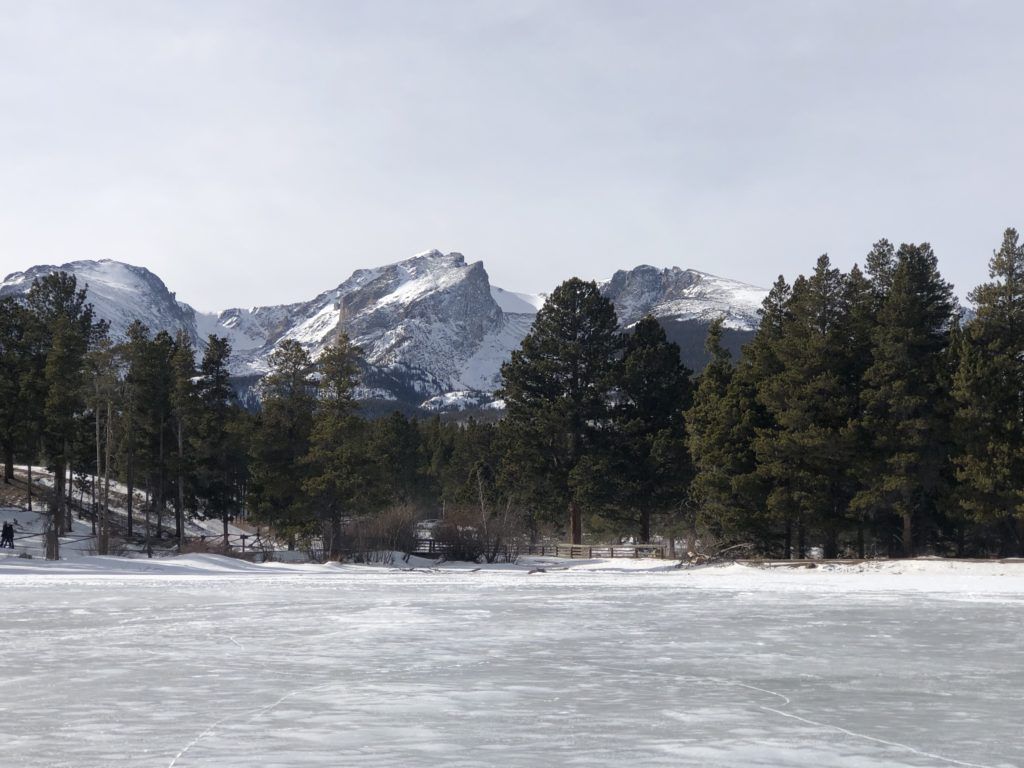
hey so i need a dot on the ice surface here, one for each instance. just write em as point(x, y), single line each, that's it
point(202, 661)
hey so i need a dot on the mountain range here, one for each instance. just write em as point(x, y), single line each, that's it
point(434, 330)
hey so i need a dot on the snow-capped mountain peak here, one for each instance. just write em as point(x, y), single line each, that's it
point(120, 293)
point(683, 294)
point(429, 326)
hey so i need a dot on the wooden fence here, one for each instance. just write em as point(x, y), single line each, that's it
point(589, 551)
point(431, 548)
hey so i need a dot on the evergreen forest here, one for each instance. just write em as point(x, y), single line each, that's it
point(869, 416)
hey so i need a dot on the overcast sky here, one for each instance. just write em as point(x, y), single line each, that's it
point(258, 152)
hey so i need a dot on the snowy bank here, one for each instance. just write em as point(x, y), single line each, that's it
point(955, 577)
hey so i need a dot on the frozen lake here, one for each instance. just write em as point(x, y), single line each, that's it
point(367, 667)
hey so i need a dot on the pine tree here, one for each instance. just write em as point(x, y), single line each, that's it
point(709, 427)
point(880, 265)
point(133, 351)
point(906, 405)
point(63, 322)
point(281, 441)
point(101, 392)
point(398, 446)
point(811, 400)
point(343, 476)
point(864, 298)
point(763, 497)
point(557, 389)
point(654, 389)
point(150, 381)
point(184, 408)
point(989, 392)
point(214, 446)
point(14, 366)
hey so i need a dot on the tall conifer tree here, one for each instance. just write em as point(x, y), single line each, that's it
point(213, 443)
point(343, 476)
point(989, 391)
point(710, 426)
point(905, 398)
point(557, 391)
point(654, 389)
point(281, 440)
point(811, 400)
point(63, 322)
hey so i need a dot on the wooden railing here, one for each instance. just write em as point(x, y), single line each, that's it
point(431, 548)
point(590, 551)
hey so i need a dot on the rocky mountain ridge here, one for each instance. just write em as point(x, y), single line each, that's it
point(434, 330)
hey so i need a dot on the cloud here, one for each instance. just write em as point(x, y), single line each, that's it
point(258, 152)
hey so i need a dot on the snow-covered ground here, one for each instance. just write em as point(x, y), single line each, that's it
point(30, 526)
point(206, 661)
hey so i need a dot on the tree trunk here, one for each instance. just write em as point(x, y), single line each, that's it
point(30, 486)
point(149, 507)
point(69, 497)
point(908, 536)
point(8, 464)
point(860, 538)
point(105, 512)
point(56, 515)
point(57, 502)
point(831, 543)
point(96, 477)
point(787, 543)
point(801, 543)
point(575, 524)
point(224, 517)
point(160, 485)
point(52, 542)
point(179, 513)
point(645, 526)
point(131, 491)
point(335, 548)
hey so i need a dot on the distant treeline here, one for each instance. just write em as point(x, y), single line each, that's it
point(864, 418)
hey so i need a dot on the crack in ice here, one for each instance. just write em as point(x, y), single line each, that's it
point(847, 731)
point(197, 739)
point(816, 723)
point(931, 755)
point(254, 715)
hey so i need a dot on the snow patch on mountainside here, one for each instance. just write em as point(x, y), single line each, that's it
point(429, 325)
point(242, 331)
point(483, 369)
point(518, 303)
point(459, 400)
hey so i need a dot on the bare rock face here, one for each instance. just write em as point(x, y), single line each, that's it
point(433, 329)
point(424, 320)
point(683, 294)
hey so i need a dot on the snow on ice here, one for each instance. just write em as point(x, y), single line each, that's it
point(206, 661)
